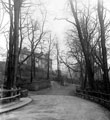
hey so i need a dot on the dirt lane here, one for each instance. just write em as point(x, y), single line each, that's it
point(56, 103)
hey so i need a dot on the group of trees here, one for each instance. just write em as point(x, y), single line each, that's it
point(24, 30)
point(87, 42)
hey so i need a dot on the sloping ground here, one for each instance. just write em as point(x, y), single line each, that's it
point(57, 89)
point(56, 104)
point(14, 105)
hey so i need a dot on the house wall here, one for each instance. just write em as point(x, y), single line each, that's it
point(40, 62)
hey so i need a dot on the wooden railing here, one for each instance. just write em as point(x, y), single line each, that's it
point(9, 95)
point(98, 97)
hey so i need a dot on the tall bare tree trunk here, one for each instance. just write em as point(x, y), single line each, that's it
point(104, 51)
point(58, 63)
point(9, 71)
point(85, 51)
point(12, 58)
point(32, 63)
point(17, 6)
point(48, 65)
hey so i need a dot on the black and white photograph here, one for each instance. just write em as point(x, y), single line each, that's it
point(54, 59)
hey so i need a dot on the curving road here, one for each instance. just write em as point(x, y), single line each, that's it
point(57, 103)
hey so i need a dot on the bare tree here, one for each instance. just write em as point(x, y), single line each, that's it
point(75, 53)
point(84, 34)
point(51, 44)
point(100, 10)
point(12, 60)
point(58, 62)
point(35, 35)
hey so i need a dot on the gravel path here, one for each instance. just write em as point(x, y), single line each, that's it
point(56, 103)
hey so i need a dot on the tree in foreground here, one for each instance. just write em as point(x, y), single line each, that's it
point(100, 10)
point(81, 25)
point(92, 36)
point(12, 57)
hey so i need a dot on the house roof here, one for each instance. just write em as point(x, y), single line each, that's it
point(25, 51)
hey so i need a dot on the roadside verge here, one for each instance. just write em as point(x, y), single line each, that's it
point(15, 105)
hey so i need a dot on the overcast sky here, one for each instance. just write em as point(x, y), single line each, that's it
point(56, 9)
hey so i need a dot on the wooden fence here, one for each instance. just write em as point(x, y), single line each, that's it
point(98, 97)
point(9, 95)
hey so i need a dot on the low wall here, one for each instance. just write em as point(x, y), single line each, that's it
point(37, 85)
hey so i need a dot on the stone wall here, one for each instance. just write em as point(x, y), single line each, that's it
point(42, 84)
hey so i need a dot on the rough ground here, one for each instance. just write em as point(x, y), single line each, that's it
point(57, 103)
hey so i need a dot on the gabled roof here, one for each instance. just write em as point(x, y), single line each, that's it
point(25, 51)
